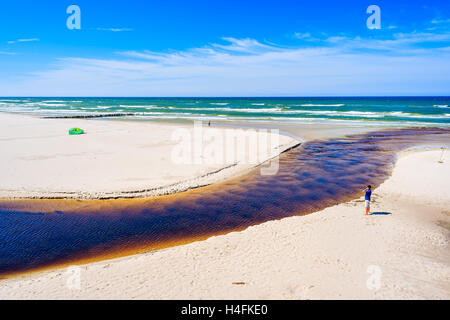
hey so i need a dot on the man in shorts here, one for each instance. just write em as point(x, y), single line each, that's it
point(367, 195)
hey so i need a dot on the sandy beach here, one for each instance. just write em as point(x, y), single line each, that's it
point(113, 159)
point(398, 252)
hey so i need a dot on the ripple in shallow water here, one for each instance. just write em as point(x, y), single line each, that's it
point(41, 233)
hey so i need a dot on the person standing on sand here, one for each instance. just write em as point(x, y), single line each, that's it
point(368, 195)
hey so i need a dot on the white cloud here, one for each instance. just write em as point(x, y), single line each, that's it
point(247, 67)
point(440, 21)
point(421, 37)
point(115, 29)
point(399, 43)
point(308, 37)
point(300, 35)
point(23, 40)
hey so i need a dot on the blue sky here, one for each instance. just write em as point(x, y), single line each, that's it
point(224, 48)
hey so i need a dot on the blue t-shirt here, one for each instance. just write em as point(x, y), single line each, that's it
point(368, 194)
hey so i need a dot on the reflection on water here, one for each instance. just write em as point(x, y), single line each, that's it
point(41, 233)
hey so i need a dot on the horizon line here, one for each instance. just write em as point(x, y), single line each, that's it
point(227, 97)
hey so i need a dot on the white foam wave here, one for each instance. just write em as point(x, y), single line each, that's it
point(322, 105)
point(336, 113)
point(263, 110)
point(44, 104)
point(139, 106)
point(418, 116)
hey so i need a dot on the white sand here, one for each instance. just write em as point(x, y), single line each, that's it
point(332, 254)
point(114, 159)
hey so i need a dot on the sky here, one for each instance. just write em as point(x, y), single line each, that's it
point(224, 48)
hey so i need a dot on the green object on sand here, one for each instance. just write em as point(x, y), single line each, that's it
point(75, 131)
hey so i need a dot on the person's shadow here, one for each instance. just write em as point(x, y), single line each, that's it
point(381, 214)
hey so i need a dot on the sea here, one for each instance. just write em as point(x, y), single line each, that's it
point(378, 111)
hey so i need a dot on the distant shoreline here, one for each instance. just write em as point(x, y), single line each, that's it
point(219, 97)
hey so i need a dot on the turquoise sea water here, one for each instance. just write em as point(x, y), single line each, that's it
point(409, 111)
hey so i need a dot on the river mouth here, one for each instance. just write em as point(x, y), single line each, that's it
point(40, 234)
